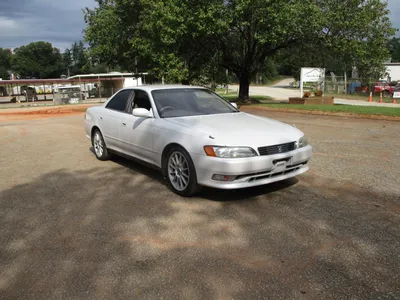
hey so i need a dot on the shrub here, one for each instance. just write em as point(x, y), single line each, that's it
point(318, 93)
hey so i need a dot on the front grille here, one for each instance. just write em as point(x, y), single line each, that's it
point(267, 174)
point(276, 149)
point(274, 174)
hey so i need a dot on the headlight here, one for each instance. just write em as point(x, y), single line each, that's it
point(229, 152)
point(303, 141)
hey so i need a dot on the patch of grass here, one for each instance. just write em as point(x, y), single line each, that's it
point(360, 110)
point(82, 109)
point(233, 97)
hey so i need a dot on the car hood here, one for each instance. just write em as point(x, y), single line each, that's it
point(238, 129)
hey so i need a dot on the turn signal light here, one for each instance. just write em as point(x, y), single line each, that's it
point(210, 151)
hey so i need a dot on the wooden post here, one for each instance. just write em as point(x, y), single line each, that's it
point(227, 81)
point(80, 90)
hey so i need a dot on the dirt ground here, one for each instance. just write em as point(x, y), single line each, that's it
point(40, 112)
point(72, 227)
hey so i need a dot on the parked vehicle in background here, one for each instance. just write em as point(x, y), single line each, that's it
point(385, 87)
point(71, 94)
point(29, 92)
point(196, 138)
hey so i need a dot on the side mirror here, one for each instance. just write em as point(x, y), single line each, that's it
point(234, 105)
point(141, 113)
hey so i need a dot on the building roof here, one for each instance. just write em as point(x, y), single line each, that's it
point(57, 80)
point(153, 87)
point(109, 75)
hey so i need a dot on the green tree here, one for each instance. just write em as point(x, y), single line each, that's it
point(179, 38)
point(394, 49)
point(66, 61)
point(353, 34)
point(75, 59)
point(37, 59)
point(5, 63)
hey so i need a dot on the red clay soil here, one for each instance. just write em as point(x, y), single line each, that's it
point(35, 113)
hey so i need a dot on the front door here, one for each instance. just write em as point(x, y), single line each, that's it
point(137, 134)
point(110, 121)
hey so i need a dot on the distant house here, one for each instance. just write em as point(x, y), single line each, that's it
point(392, 72)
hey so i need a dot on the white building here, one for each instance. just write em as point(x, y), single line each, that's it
point(392, 72)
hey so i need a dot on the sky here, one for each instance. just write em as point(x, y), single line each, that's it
point(61, 23)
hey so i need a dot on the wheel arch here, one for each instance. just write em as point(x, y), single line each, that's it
point(94, 128)
point(164, 154)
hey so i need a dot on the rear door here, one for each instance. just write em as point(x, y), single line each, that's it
point(111, 120)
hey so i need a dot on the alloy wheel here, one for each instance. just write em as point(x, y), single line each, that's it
point(178, 171)
point(98, 145)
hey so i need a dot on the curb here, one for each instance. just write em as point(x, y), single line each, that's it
point(322, 113)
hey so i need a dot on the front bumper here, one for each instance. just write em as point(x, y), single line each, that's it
point(252, 171)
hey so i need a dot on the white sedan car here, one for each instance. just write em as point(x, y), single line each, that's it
point(196, 138)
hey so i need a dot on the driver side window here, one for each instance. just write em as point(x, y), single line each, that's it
point(141, 100)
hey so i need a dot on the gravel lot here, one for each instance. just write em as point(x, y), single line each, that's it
point(72, 227)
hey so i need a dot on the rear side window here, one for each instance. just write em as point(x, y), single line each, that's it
point(118, 102)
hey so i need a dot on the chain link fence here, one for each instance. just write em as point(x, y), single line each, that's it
point(350, 86)
point(66, 93)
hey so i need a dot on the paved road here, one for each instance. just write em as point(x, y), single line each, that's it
point(281, 91)
point(72, 227)
point(276, 92)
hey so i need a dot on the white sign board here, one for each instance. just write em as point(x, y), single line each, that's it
point(311, 75)
point(396, 95)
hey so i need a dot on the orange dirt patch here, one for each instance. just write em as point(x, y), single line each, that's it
point(40, 112)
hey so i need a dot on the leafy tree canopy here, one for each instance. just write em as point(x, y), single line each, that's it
point(394, 49)
point(37, 59)
point(5, 63)
point(180, 38)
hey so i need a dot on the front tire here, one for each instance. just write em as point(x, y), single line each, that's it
point(99, 146)
point(386, 94)
point(180, 172)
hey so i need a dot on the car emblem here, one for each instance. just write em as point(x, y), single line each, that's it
point(279, 148)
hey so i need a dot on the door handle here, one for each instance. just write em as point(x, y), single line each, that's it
point(123, 124)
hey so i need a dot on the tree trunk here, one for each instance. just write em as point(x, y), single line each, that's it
point(244, 85)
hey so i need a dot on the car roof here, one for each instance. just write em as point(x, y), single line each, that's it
point(154, 87)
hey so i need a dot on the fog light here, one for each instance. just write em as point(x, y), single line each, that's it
point(223, 177)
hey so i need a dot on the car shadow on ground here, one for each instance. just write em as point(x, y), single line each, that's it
point(137, 167)
point(247, 194)
point(116, 233)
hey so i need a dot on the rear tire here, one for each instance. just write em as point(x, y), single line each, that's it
point(180, 172)
point(99, 146)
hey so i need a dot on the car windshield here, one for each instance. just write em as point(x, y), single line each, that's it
point(172, 103)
